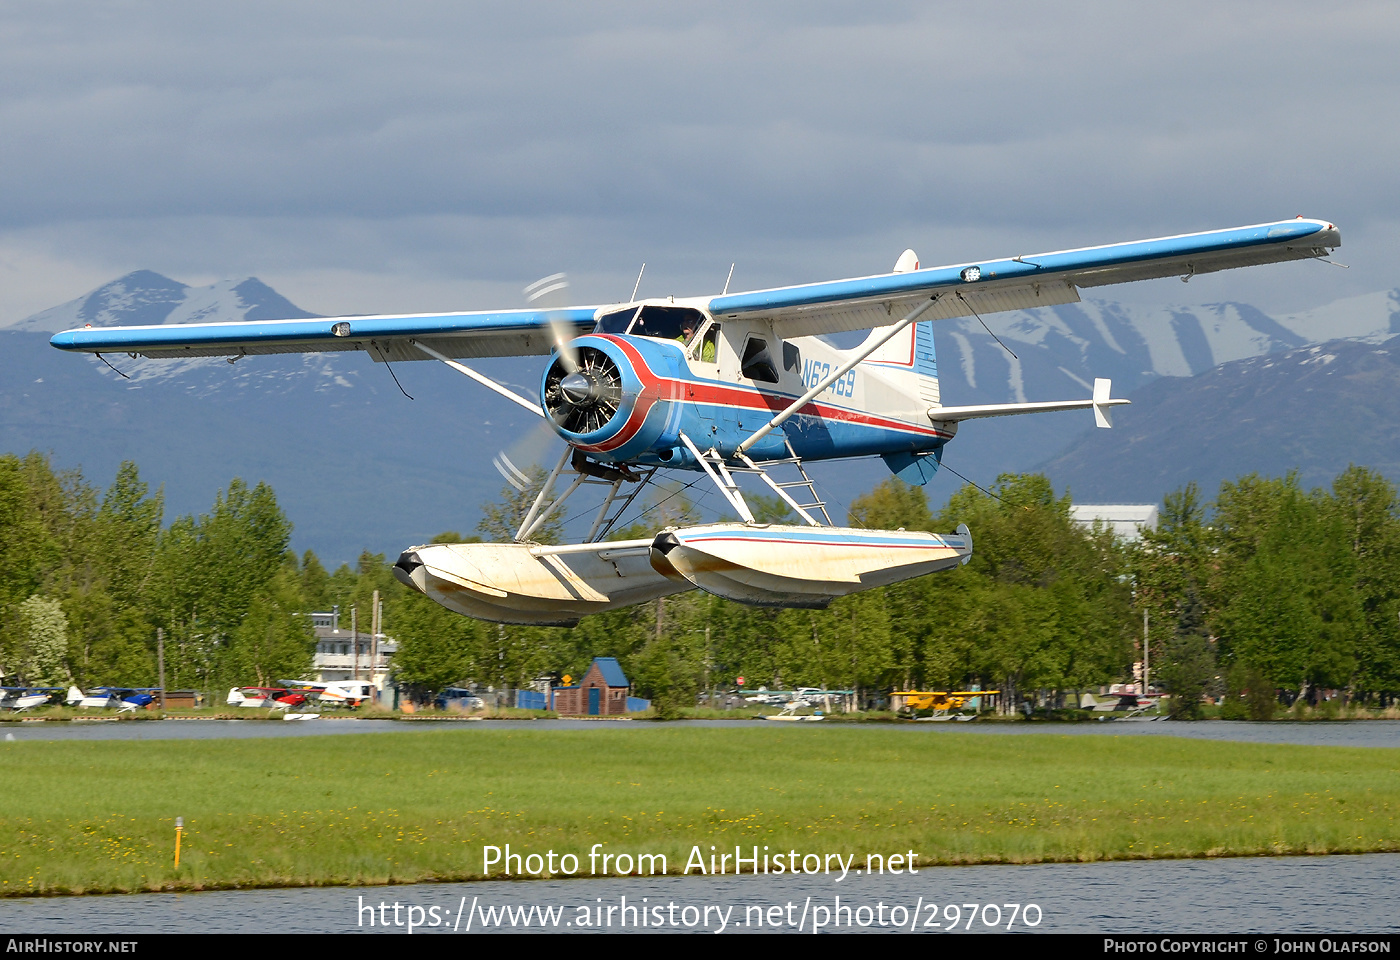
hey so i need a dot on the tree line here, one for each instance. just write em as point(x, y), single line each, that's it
point(1266, 589)
point(89, 579)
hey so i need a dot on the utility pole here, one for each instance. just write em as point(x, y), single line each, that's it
point(160, 662)
point(374, 637)
point(355, 640)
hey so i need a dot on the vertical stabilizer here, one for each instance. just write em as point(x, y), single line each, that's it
point(910, 361)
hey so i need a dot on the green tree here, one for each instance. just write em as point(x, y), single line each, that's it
point(28, 544)
point(1050, 607)
point(42, 647)
point(501, 519)
point(273, 642)
point(209, 571)
point(1284, 590)
point(893, 505)
point(1366, 508)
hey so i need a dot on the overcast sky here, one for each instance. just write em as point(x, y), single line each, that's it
point(363, 158)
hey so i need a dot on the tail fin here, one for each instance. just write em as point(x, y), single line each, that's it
point(910, 361)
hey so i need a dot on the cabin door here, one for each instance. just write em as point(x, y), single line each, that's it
point(592, 701)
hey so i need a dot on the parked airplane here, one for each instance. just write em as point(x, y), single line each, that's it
point(942, 703)
point(731, 384)
point(344, 693)
point(1128, 702)
point(125, 699)
point(27, 698)
point(278, 698)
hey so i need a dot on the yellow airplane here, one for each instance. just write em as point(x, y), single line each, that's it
point(939, 701)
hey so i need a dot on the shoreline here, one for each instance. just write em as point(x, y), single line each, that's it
point(554, 878)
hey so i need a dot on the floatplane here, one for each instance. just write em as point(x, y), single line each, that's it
point(733, 385)
point(19, 699)
point(124, 699)
point(337, 693)
point(939, 704)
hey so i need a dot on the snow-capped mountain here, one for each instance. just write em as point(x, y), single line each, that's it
point(1314, 410)
point(1065, 348)
point(1060, 350)
point(146, 297)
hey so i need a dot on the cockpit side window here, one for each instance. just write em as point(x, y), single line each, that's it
point(709, 345)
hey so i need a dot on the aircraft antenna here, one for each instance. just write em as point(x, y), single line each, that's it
point(390, 368)
point(972, 482)
point(727, 279)
point(994, 337)
point(114, 369)
point(636, 286)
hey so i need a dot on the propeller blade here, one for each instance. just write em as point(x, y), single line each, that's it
point(551, 294)
point(535, 447)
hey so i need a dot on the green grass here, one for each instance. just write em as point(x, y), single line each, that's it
point(88, 816)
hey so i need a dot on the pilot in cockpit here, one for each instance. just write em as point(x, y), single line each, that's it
point(707, 350)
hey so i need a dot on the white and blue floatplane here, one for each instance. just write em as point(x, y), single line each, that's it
point(728, 385)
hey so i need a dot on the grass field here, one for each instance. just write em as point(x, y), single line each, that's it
point(89, 816)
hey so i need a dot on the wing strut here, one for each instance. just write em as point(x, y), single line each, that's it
point(538, 512)
point(837, 374)
point(726, 484)
point(483, 380)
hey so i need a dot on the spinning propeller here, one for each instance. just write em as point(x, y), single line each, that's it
point(583, 387)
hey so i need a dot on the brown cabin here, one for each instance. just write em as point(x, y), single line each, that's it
point(601, 693)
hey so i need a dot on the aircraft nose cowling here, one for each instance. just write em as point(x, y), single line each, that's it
point(584, 393)
point(602, 397)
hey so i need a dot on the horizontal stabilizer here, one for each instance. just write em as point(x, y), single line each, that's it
point(1100, 403)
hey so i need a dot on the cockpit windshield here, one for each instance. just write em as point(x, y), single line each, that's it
point(662, 322)
point(617, 322)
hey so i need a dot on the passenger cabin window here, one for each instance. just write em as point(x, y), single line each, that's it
point(758, 364)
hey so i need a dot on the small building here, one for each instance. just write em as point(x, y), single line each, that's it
point(350, 655)
point(603, 692)
point(1125, 520)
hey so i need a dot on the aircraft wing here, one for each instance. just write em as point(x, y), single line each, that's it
point(501, 333)
point(990, 286)
point(1018, 283)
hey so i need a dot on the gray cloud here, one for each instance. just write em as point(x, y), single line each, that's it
point(488, 142)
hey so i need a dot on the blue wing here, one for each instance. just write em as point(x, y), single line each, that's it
point(1018, 283)
point(989, 286)
point(501, 333)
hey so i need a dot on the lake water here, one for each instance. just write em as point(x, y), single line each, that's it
point(1352, 894)
point(1359, 733)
